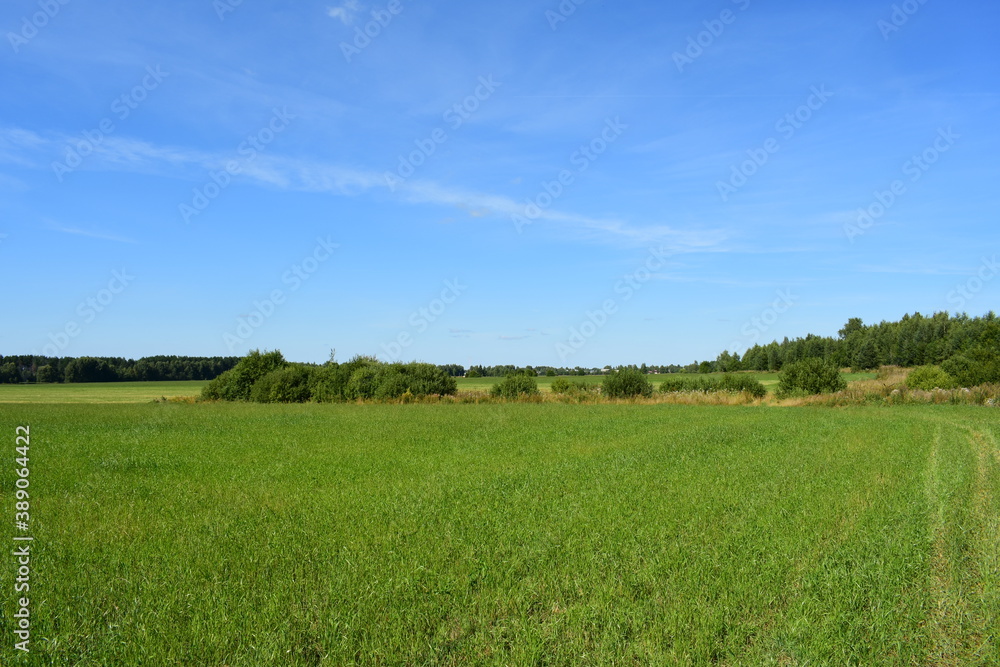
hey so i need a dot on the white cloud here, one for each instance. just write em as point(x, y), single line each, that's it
point(118, 153)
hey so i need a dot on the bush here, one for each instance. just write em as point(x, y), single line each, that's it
point(671, 385)
point(626, 383)
point(729, 383)
point(428, 380)
point(237, 383)
point(979, 365)
point(514, 386)
point(363, 382)
point(812, 376)
point(390, 382)
point(930, 377)
point(283, 385)
point(371, 379)
point(328, 383)
point(742, 384)
point(560, 386)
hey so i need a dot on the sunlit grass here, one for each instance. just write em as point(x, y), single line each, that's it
point(98, 392)
point(510, 534)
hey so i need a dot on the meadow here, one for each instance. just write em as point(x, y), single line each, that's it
point(503, 534)
point(98, 392)
point(769, 380)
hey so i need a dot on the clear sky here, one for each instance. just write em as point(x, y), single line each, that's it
point(530, 182)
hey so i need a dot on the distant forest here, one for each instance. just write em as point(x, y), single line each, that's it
point(960, 343)
point(27, 368)
point(966, 347)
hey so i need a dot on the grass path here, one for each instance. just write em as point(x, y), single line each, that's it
point(962, 490)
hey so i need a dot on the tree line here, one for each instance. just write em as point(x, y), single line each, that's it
point(968, 348)
point(29, 368)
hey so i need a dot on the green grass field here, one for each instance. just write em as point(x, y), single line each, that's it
point(507, 534)
point(98, 392)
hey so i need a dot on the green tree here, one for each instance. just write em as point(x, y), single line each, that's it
point(9, 373)
point(46, 373)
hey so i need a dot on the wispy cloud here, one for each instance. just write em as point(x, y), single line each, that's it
point(92, 234)
point(119, 153)
point(917, 271)
point(345, 12)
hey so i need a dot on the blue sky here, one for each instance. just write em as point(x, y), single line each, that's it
point(528, 183)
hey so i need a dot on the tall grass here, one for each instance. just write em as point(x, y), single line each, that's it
point(514, 533)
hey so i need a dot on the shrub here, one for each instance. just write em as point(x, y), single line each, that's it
point(367, 378)
point(729, 383)
point(514, 386)
point(626, 383)
point(390, 382)
point(328, 383)
point(980, 365)
point(428, 380)
point(930, 377)
point(363, 382)
point(560, 386)
point(742, 384)
point(812, 376)
point(671, 385)
point(237, 383)
point(283, 385)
